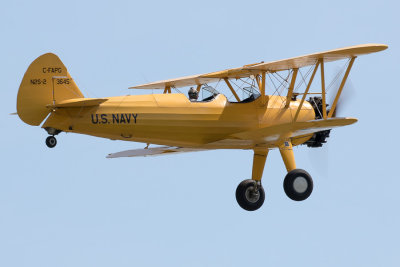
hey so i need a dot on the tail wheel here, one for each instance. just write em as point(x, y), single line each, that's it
point(51, 141)
point(298, 185)
point(249, 195)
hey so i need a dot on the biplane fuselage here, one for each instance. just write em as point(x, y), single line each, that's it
point(173, 120)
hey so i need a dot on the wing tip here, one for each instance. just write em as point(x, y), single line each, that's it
point(377, 47)
point(352, 120)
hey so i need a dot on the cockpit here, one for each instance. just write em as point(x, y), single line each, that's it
point(250, 94)
point(208, 93)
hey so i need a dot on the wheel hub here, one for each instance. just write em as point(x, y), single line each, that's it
point(300, 184)
point(252, 195)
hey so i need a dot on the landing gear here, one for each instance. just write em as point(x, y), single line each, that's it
point(250, 195)
point(51, 141)
point(298, 185)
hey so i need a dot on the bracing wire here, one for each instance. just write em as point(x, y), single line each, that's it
point(303, 77)
point(339, 74)
point(176, 89)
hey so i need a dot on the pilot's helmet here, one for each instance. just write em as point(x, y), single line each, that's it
point(193, 94)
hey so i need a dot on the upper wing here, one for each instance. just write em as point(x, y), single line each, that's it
point(178, 82)
point(311, 59)
point(154, 151)
point(276, 132)
point(274, 66)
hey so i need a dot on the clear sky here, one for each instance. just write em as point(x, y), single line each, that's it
point(70, 206)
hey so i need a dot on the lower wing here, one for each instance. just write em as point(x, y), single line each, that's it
point(287, 130)
point(264, 135)
point(154, 151)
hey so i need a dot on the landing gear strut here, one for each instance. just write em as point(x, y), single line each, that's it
point(51, 141)
point(250, 194)
point(298, 184)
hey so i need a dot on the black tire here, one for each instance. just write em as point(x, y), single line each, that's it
point(51, 141)
point(247, 198)
point(298, 185)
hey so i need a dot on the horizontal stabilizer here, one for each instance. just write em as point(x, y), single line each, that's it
point(276, 132)
point(79, 102)
point(154, 151)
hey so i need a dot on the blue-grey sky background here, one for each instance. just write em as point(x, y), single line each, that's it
point(70, 206)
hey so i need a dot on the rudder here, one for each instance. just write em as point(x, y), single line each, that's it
point(45, 82)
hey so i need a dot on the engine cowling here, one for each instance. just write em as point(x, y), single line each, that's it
point(319, 138)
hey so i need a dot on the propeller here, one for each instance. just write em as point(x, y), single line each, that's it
point(347, 94)
point(320, 157)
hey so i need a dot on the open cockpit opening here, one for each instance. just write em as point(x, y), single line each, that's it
point(250, 94)
point(204, 93)
point(207, 93)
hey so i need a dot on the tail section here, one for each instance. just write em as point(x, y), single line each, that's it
point(45, 83)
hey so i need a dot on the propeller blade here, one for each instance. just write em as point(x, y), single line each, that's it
point(347, 94)
point(320, 159)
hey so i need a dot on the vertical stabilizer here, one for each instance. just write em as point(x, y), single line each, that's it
point(45, 83)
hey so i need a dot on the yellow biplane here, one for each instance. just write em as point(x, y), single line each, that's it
point(268, 109)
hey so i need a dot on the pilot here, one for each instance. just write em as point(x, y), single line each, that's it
point(193, 94)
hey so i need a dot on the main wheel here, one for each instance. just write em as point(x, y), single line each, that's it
point(298, 185)
point(249, 196)
point(51, 141)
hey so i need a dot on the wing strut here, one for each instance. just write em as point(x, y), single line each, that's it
point(306, 92)
point(331, 112)
point(167, 89)
point(323, 89)
point(258, 81)
point(291, 87)
point(262, 89)
point(232, 90)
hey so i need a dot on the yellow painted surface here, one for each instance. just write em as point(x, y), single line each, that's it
point(171, 119)
point(287, 154)
point(259, 158)
point(45, 80)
